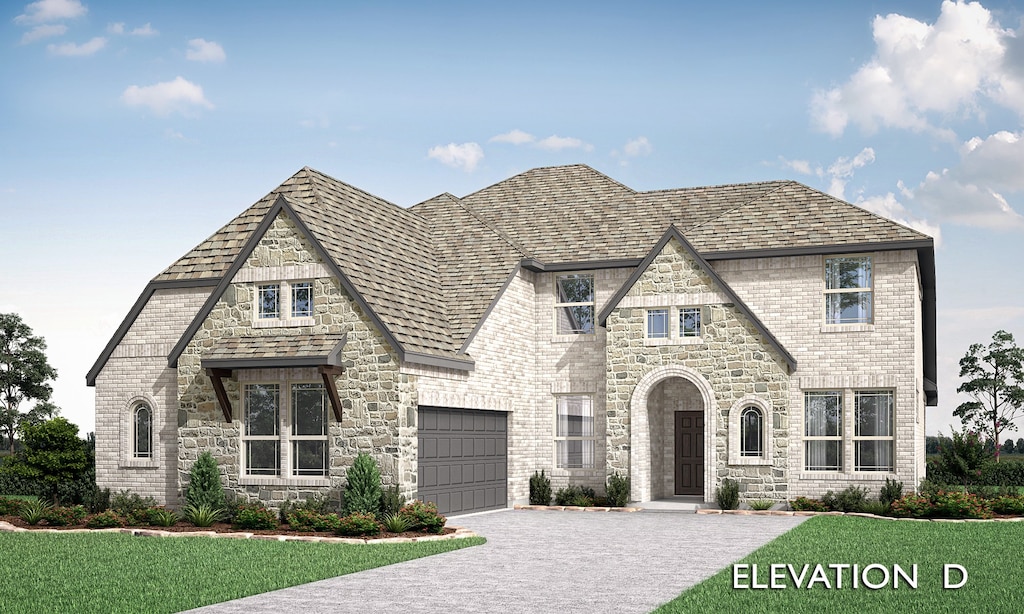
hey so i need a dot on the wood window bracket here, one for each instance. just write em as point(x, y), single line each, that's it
point(328, 373)
point(216, 376)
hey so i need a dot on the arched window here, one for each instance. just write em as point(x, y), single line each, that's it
point(142, 427)
point(751, 431)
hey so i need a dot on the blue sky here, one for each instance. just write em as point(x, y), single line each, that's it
point(131, 131)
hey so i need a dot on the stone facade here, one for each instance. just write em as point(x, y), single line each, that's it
point(378, 400)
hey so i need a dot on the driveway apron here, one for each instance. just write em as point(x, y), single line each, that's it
point(541, 561)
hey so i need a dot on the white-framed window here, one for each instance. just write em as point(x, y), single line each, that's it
point(658, 324)
point(823, 431)
point(574, 304)
point(142, 431)
point(752, 432)
point(849, 292)
point(302, 299)
point(873, 440)
point(689, 321)
point(268, 301)
point(285, 430)
point(283, 303)
point(575, 441)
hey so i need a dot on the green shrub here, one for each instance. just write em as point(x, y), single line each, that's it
point(1008, 504)
point(805, 504)
point(617, 490)
point(302, 519)
point(761, 505)
point(97, 499)
point(358, 524)
point(10, 507)
point(391, 501)
point(850, 499)
point(396, 523)
point(892, 491)
point(581, 501)
point(912, 506)
point(317, 504)
point(570, 494)
point(956, 504)
point(728, 494)
point(131, 506)
point(203, 515)
point(423, 517)
point(540, 489)
point(204, 487)
point(878, 508)
point(61, 516)
point(362, 491)
point(34, 511)
point(162, 517)
point(255, 517)
point(104, 520)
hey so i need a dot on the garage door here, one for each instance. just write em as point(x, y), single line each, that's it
point(463, 459)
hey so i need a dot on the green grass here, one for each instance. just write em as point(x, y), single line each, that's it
point(121, 573)
point(989, 552)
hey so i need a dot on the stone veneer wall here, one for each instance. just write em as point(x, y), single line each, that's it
point(137, 372)
point(733, 360)
point(378, 401)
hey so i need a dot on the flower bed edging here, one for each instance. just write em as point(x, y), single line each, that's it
point(858, 514)
point(573, 508)
point(459, 533)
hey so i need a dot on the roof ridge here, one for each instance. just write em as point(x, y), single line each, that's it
point(868, 211)
point(504, 237)
point(547, 168)
point(716, 185)
point(740, 206)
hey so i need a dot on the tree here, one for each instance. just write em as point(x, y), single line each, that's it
point(996, 385)
point(53, 454)
point(1020, 445)
point(1008, 447)
point(204, 487)
point(40, 413)
point(24, 372)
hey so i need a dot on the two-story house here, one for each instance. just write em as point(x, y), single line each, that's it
point(557, 320)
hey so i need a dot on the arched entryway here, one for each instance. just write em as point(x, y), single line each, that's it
point(672, 435)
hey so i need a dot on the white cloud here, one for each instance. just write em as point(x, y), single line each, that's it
point(43, 31)
point(842, 169)
point(464, 156)
point(920, 70)
point(174, 135)
point(72, 49)
point(887, 206)
point(515, 137)
point(200, 50)
point(639, 146)
point(168, 97)
point(145, 30)
point(51, 10)
point(801, 166)
point(557, 143)
point(115, 28)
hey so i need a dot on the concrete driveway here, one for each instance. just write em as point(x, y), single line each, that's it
point(542, 561)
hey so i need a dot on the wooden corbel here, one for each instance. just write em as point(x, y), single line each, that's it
point(218, 388)
point(329, 372)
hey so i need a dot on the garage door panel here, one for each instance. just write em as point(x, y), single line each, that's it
point(463, 459)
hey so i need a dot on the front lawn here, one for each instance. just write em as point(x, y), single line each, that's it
point(989, 552)
point(55, 572)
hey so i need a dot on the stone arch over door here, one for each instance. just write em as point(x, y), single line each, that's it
point(640, 429)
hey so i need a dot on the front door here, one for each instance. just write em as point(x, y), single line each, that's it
point(689, 456)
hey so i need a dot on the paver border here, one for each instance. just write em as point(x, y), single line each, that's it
point(857, 514)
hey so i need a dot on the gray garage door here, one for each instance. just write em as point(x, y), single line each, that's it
point(463, 459)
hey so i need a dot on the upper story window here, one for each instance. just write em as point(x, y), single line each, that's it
point(657, 324)
point(848, 290)
point(142, 428)
point(823, 431)
point(284, 303)
point(574, 304)
point(574, 432)
point(689, 322)
point(673, 325)
point(302, 299)
point(268, 301)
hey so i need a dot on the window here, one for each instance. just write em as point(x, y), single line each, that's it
point(142, 429)
point(284, 303)
point(268, 301)
point(574, 434)
point(657, 324)
point(689, 322)
point(299, 430)
point(302, 300)
point(873, 432)
point(848, 295)
point(751, 432)
point(823, 431)
point(574, 305)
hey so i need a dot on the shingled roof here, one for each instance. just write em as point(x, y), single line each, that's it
point(429, 273)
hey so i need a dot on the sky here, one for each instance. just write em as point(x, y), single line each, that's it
point(129, 132)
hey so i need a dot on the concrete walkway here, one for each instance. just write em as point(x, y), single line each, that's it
point(539, 561)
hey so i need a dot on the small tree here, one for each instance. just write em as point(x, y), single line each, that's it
point(204, 487)
point(996, 383)
point(1020, 445)
point(53, 455)
point(1008, 447)
point(362, 492)
point(24, 372)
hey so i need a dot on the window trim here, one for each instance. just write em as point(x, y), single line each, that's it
point(284, 427)
point(869, 290)
point(648, 313)
point(126, 458)
point(592, 438)
point(735, 429)
point(285, 315)
point(560, 305)
point(891, 438)
point(700, 324)
point(839, 437)
point(675, 334)
point(136, 454)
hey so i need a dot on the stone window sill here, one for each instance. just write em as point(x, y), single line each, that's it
point(282, 322)
point(866, 476)
point(588, 338)
point(848, 328)
point(750, 460)
point(250, 480)
point(138, 463)
point(674, 341)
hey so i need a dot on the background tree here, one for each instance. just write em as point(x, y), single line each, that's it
point(996, 383)
point(24, 372)
point(53, 455)
point(40, 413)
point(1008, 447)
point(1020, 445)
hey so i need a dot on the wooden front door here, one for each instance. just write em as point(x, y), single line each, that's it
point(689, 456)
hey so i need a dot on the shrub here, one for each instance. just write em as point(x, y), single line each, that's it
point(804, 504)
point(255, 517)
point(97, 499)
point(423, 517)
point(162, 517)
point(581, 501)
point(391, 501)
point(892, 491)
point(204, 486)
point(540, 489)
point(11, 507)
point(130, 505)
point(53, 457)
point(761, 504)
point(956, 504)
point(104, 520)
point(878, 508)
point(61, 516)
point(34, 511)
point(362, 491)
point(728, 494)
point(396, 523)
point(912, 506)
point(850, 499)
point(963, 460)
point(318, 504)
point(617, 490)
point(569, 494)
point(358, 523)
point(202, 515)
point(1007, 504)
